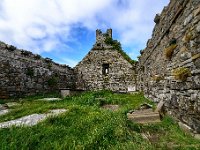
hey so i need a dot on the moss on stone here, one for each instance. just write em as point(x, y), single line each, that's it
point(181, 73)
point(169, 51)
point(157, 78)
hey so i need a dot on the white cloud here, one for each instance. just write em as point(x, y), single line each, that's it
point(28, 20)
point(68, 61)
point(37, 24)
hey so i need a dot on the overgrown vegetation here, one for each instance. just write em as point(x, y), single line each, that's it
point(157, 78)
point(117, 46)
point(169, 51)
point(53, 81)
point(11, 47)
point(49, 65)
point(37, 57)
point(86, 125)
point(30, 72)
point(181, 73)
point(188, 36)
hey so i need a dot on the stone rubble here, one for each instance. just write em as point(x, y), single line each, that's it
point(11, 104)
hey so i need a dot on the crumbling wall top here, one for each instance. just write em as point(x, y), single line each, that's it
point(100, 37)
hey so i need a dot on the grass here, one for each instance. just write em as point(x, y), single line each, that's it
point(86, 125)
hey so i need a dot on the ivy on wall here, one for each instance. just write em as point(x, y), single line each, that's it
point(117, 46)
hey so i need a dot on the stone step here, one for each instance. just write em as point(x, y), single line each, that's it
point(144, 117)
point(144, 112)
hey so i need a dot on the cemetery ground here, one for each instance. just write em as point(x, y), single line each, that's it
point(88, 124)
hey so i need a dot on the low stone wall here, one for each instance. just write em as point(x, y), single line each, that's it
point(23, 73)
point(169, 67)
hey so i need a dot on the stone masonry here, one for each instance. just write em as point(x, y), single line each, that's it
point(23, 73)
point(169, 67)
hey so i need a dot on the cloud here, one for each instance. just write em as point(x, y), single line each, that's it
point(48, 25)
point(68, 61)
point(33, 20)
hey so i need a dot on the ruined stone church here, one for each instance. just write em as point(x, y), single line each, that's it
point(105, 67)
point(168, 69)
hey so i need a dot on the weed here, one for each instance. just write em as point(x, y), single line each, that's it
point(157, 78)
point(181, 73)
point(169, 51)
point(30, 72)
point(187, 37)
point(37, 56)
point(53, 81)
point(49, 65)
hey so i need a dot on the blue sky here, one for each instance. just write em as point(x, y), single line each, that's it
point(64, 30)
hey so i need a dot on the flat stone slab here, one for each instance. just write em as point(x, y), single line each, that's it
point(3, 107)
point(11, 104)
point(31, 120)
point(197, 136)
point(146, 116)
point(3, 112)
point(185, 127)
point(51, 99)
point(111, 107)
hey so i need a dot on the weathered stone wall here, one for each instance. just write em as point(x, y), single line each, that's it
point(169, 67)
point(120, 74)
point(23, 73)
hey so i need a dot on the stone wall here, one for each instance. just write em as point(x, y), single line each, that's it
point(169, 67)
point(105, 68)
point(23, 73)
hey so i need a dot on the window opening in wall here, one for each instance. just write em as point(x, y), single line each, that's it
point(105, 69)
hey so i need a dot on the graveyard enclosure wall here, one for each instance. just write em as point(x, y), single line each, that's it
point(23, 73)
point(169, 67)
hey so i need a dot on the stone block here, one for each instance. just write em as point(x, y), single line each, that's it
point(185, 127)
point(159, 106)
point(197, 136)
point(196, 11)
point(198, 27)
point(65, 92)
point(188, 19)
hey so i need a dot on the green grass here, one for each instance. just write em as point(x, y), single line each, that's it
point(88, 126)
